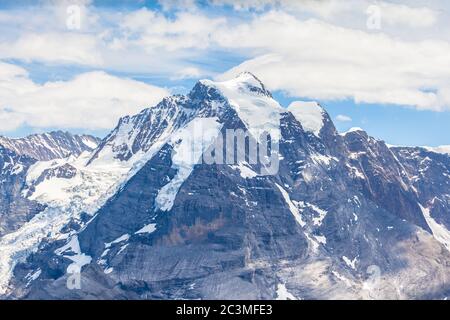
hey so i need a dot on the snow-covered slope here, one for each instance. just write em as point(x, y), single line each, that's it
point(440, 149)
point(239, 93)
point(309, 114)
point(52, 145)
point(14, 209)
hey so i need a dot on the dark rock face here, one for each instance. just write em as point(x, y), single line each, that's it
point(65, 171)
point(386, 182)
point(53, 145)
point(429, 175)
point(343, 217)
point(15, 209)
point(139, 132)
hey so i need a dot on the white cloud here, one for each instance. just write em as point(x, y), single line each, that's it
point(10, 71)
point(309, 58)
point(343, 118)
point(154, 31)
point(53, 47)
point(188, 73)
point(245, 4)
point(168, 5)
point(400, 14)
point(93, 100)
point(40, 33)
point(391, 13)
point(331, 56)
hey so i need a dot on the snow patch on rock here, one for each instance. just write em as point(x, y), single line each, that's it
point(292, 207)
point(309, 114)
point(440, 149)
point(440, 232)
point(283, 293)
point(189, 144)
point(149, 228)
point(259, 112)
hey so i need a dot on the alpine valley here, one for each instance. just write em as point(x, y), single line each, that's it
point(344, 217)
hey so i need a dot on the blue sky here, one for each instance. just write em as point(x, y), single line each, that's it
point(380, 66)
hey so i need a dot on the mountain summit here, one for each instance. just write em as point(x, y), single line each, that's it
point(343, 216)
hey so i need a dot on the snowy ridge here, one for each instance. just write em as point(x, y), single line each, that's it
point(353, 129)
point(66, 200)
point(440, 149)
point(309, 114)
point(244, 170)
point(135, 135)
point(248, 97)
point(53, 145)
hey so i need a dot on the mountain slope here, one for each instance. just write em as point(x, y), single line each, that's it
point(429, 175)
point(16, 158)
point(149, 215)
point(52, 145)
point(14, 208)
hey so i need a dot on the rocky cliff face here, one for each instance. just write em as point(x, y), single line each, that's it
point(14, 208)
point(53, 145)
point(343, 216)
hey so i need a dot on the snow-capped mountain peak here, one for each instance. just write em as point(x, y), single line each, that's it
point(134, 135)
point(253, 103)
point(310, 114)
point(244, 81)
point(353, 129)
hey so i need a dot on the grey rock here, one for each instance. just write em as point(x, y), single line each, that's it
point(52, 145)
point(362, 234)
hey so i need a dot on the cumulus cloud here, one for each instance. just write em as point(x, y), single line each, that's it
point(92, 100)
point(43, 33)
point(141, 40)
point(391, 13)
point(154, 31)
point(319, 50)
point(400, 14)
point(314, 59)
point(53, 47)
point(168, 5)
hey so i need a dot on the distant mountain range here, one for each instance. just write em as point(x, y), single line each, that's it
point(344, 216)
point(48, 146)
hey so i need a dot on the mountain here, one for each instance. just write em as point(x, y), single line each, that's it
point(440, 149)
point(17, 156)
point(170, 206)
point(48, 146)
point(14, 208)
